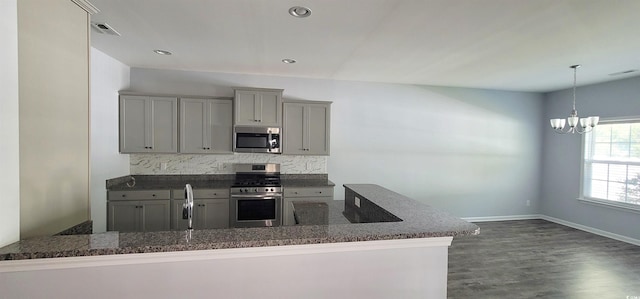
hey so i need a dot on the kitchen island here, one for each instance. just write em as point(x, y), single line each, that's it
point(404, 256)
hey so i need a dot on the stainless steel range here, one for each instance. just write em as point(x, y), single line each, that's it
point(256, 196)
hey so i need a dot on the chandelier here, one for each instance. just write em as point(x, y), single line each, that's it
point(586, 123)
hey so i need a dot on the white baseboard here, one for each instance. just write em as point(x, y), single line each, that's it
point(592, 230)
point(581, 227)
point(502, 218)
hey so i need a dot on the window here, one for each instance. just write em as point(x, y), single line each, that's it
point(612, 163)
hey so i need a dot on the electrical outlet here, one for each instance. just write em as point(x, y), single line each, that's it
point(528, 203)
point(163, 166)
point(357, 201)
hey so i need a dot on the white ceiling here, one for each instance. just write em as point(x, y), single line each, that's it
point(523, 45)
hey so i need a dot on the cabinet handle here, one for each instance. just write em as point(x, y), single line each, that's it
point(320, 192)
point(153, 195)
point(124, 195)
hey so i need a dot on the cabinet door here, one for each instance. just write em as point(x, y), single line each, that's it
point(212, 213)
point(220, 127)
point(193, 126)
point(133, 119)
point(207, 214)
point(270, 109)
point(245, 104)
point(155, 215)
point(317, 121)
point(306, 129)
point(148, 124)
point(258, 108)
point(164, 124)
point(293, 140)
point(124, 216)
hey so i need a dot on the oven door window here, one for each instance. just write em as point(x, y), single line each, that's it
point(256, 209)
point(249, 140)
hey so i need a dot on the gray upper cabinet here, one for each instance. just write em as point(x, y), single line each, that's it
point(205, 126)
point(258, 107)
point(148, 124)
point(306, 128)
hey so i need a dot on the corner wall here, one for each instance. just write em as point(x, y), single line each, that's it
point(562, 156)
point(53, 71)
point(472, 152)
point(9, 125)
point(108, 76)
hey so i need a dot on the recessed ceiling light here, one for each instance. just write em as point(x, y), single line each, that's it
point(289, 60)
point(300, 11)
point(162, 52)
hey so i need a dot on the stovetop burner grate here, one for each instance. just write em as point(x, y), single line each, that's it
point(253, 180)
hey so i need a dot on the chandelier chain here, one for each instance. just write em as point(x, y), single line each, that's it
point(575, 70)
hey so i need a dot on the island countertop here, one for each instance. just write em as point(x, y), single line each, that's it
point(417, 220)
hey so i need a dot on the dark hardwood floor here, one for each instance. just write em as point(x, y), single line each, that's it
point(541, 259)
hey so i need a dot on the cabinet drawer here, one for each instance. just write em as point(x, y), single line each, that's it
point(309, 191)
point(202, 193)
point(139, 195)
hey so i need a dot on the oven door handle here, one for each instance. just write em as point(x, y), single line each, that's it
point(260, 196)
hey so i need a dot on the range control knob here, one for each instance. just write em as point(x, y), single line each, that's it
point(246, 190)
point(255, 190)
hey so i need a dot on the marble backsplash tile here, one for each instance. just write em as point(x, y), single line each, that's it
point(221, 164)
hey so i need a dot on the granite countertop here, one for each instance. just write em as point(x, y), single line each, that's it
point(214, 181)
point(417, 221)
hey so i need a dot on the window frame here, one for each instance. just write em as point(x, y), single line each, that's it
point(599, 201)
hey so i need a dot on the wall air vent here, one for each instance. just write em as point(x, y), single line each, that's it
point(104, 28)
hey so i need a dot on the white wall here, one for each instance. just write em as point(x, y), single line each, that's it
point(408, 268)
point(562, 156)
point(472, 152)
point(9, 147)
point(108, 76)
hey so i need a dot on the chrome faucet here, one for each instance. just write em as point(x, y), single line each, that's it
point(187, 206)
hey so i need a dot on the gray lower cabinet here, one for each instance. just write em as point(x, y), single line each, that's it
point(138, 211)
point(306, 128)
point(210, 209)
point(206, 126)
point(309, 194)
point(148, 124)
point(258, 107)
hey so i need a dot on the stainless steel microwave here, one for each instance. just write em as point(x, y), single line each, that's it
point(256, 140)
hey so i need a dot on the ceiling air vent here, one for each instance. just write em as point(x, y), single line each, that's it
point(104, 28)
point(623, 72)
